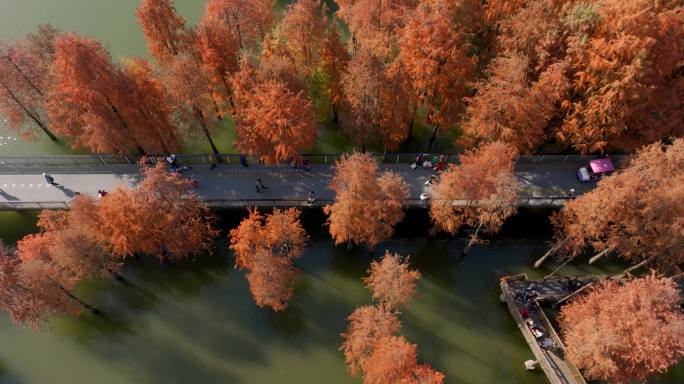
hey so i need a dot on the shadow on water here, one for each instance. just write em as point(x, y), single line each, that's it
point(196, 321)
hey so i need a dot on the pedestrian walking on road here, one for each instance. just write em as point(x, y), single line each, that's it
point(50, 180)
point(260, 186)
point(311, 198)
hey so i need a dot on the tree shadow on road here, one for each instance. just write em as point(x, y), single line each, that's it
point(68, 192)
point(7, 196)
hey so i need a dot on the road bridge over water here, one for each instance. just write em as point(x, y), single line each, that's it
point(545, 180)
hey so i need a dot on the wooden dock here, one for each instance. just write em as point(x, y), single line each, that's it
point(546, 346)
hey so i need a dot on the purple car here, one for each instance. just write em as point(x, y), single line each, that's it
point(595, 170)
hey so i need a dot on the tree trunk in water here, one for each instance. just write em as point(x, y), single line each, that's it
point(559, 268)
point(75, 298)
point(471, 242)
point(600, 255)
point(205, 129)
point(550, 252)
point(335, 115)
point(28, 113)
point(409, 133)
point(637, 266)
point(218, 111)
point(433, 137)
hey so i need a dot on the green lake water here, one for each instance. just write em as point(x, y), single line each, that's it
point(113, 22)
point(195, 322)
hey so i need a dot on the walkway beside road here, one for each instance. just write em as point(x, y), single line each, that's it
point(544, 182)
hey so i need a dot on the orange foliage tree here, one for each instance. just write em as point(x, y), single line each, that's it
point(625, 332)
point(374, 25)
point(67, 241)
point(366, 206)
point(50, 269)
point(628, 85)
point(267, 247)
point(380, 101)
point(372, 345)
point(393, 361)
point(635, 213)
point(391, 282)
point(510, 109)
point(24, 68)
point(249, 20)
point(164, 29)
point(149, 105)
point(162, 217)
point(303, 31)
point(367, 325)
point(481, 192)
point(218, 48)
point(190, 90)
point(334, 60)
point(534, 30)
point(307, 40)
point(435, 51)
point(274, 123)
point(90, 100)
point(30, 297)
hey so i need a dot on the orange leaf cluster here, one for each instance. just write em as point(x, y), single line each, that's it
point(190, 91)
point(24, 69)
point(628, 84)
point(391, 282)
point(163, 28)
point(435, 53)
point(622, 61)
point(267, 247)
point(28, 291)
point(481, 192)
point(366, 207)
point(303, 30)
point(623, 333)
point(374, 25)
point(275, 123)
point(162, 218)
point(508, 108)
point(372, 345)
point(637, 213)
point(101, 107)
point(248, 20)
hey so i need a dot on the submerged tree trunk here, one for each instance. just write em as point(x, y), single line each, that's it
point(550, 252)
point(600, 255)
point(205, 129)
point(472, 241)
point(637, 266)
point(559, 268)
point(92, 309)
point(433, 137)
point(30, 114)
point(335, 115)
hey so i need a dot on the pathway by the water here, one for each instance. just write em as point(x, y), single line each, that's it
point(22, 185)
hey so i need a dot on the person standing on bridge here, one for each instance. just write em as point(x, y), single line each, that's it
point(260, 186)
point(50, 180)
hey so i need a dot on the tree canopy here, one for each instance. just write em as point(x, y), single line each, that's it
point(625, 332)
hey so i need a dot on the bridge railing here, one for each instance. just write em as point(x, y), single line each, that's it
point(9, 162)
point(549, 201)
